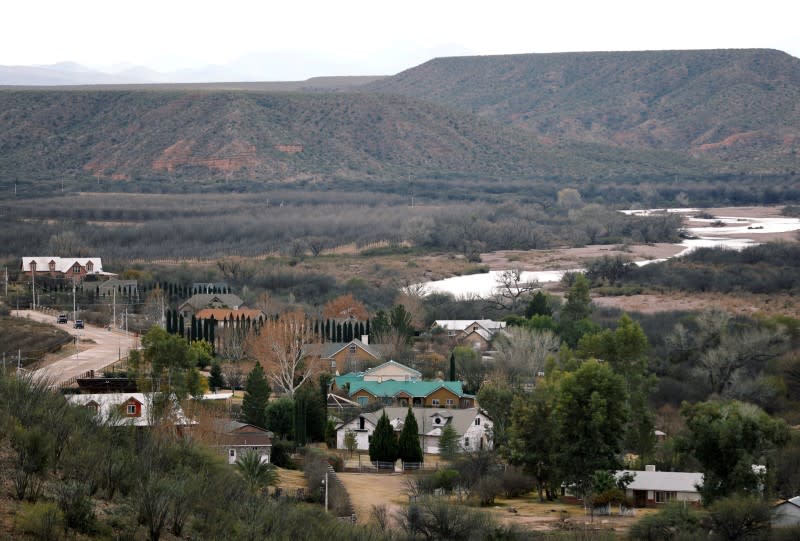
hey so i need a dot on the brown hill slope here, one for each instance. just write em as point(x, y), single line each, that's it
point(741, 106)
point(210, 136)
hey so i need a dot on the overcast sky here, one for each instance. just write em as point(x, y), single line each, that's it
point(373, 37)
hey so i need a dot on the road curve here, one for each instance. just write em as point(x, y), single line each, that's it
point(107, 347)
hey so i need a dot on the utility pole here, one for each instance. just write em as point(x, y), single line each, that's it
point(33, 287)
point(163, 316)
point(74, 311)
point(115, 307)
point(6, 272)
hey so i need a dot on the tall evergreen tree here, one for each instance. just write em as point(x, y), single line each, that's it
point(215, 378)
point(383, 446)
point(256, 396)
point(408, 447)
point(452, 366)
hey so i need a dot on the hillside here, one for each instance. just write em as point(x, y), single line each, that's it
point(739, 106)
point(215, 136)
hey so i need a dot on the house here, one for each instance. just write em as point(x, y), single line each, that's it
point(195, 303)
point(236, 439)
point(337, 357)
point(431, 394)
point(786, 514)
point(650, 487)
point(66, 268)
point(477, 333)
point(130, 409)
point(128, 288)
point(473, 427)
point(226, 317)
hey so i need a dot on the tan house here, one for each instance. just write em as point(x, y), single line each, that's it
point(337, 357)
point(477, 333)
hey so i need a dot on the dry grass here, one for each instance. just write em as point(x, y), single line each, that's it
point(31, 338)
point(748, 304)
point(368, 489)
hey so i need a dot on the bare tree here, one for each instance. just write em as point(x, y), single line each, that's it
point(233, 341)
point(511, 289)
point(521, 353)
point(285, 348)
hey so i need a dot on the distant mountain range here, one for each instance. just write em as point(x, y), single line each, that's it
point(738, 106)
point(562, 117)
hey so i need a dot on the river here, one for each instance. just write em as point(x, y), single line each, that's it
point(738, 232)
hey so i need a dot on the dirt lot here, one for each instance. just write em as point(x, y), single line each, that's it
point(368, 489)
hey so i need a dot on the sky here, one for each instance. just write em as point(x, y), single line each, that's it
point(302, 38)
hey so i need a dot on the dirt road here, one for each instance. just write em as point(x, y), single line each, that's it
point(104, 348)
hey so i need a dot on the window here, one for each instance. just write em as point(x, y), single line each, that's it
point(52, 266)
point(131, 409)
point(361, 423)
point(449, 402)
point(451, 333)
point(233, 453)
point(435, 402)
point(333, 365)
point(33, 265)
point(664, 497)
point(92, 406)
point(466, 443)
point(89, 266)
point(477, 421)
point(363, 400)
point(76, 269)
point(437, 421)
point(352, 348)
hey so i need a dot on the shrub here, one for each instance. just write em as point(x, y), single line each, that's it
point(673, 522)
point(74, 501)
point(281, 454)
point(43, 520)
point(740, 517)
point(515, 483)
point(487, 489)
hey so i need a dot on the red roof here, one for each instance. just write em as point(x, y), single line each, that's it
point(226, 313)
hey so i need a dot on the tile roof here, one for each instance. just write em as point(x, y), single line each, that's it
point(326, 350)
point(221, 314)
point(202, 300)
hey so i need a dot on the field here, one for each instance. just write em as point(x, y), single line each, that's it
point(34, 340)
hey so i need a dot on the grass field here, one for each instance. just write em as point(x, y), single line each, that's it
point(31, 339)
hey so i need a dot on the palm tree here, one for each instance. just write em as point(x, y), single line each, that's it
point(256, 473)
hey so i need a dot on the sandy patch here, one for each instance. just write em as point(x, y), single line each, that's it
point(368, 489)
point(742, 303)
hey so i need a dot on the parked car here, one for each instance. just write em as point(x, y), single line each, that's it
point(78, 324)
point(62, 318)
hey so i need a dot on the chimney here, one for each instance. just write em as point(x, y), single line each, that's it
point(650, 467)
point(365, 339)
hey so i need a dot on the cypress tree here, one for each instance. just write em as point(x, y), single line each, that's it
point(256, 397)
point(367, 333)
point(328, 330)
point(408, 448)
point(212, 331)
point(383, 446)
point(339, 332)
point(452, 366)
point(181, 325)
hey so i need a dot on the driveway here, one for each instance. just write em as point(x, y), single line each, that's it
point(105, 348)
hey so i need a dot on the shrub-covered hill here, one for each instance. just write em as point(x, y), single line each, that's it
point(214, 136)
point(740, 106)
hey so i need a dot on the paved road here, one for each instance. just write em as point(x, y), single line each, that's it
point(105, 348)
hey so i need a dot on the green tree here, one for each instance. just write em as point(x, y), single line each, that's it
point(256, 397)
point(625, 349)
point(740, 517)
point(408, 448)
point(539, 305)
point(383, 446)
point(470, 368)
point(280, 417)
point(592, 414)
point(215, 378)
point(578, 303)
point(165, 363)
point(728, 438)
point(448, 443)
point(496, 398)
point(535, 449)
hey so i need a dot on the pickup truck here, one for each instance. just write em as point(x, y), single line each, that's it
point(62, 318)
point(78, 324)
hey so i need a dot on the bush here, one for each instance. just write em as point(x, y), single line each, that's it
point(281, 454)
point(74, 501)
point(740, 517)
point(515, 483)
point(43, 520)
point(675, 521)
point(487, 489)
